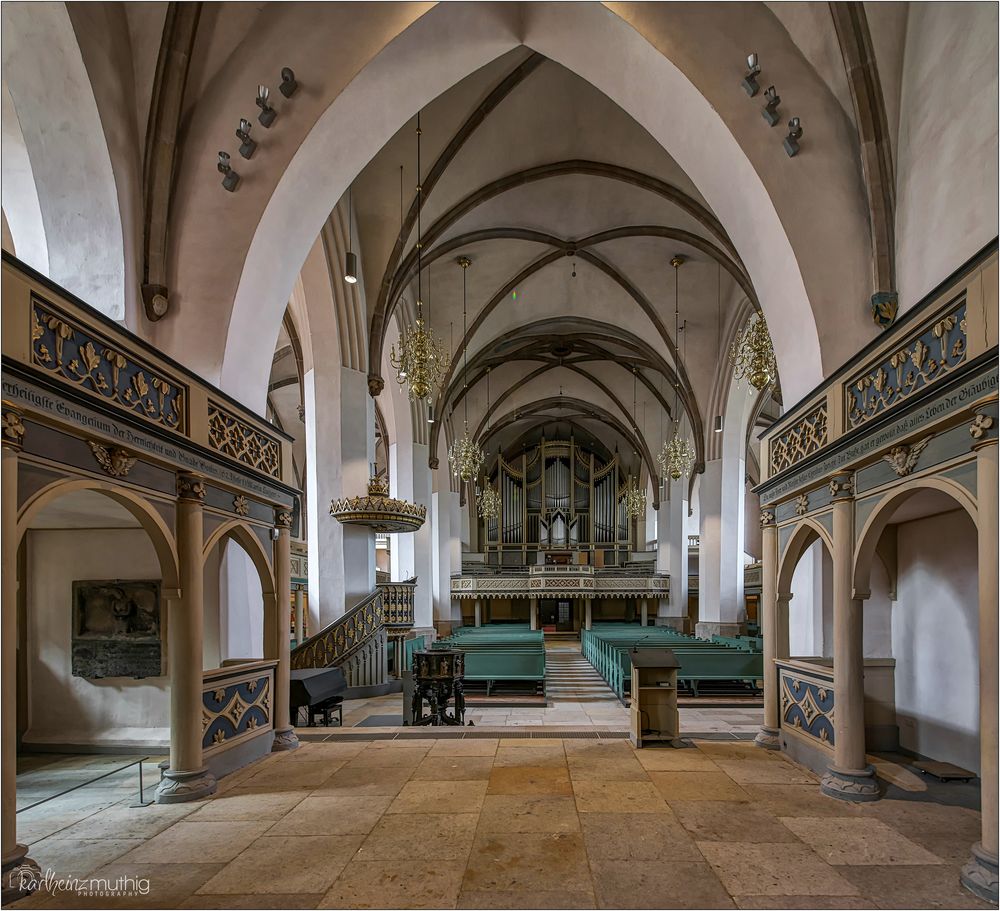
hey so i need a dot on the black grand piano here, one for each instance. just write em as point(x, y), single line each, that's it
point(318, 690)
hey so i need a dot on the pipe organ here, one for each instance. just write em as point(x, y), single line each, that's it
point(558, 496)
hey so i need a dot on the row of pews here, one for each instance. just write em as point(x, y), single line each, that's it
point(512, 655)
point(608, 647)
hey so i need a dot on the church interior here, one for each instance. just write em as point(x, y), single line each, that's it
point(499, 455)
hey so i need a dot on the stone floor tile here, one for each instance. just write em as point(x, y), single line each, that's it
point(453, 768)
point(530, 780)
point(660, 885)
point(744, 772)
point(439, 797)
point(387, 759)
point(532, 743)
point(251, 902)
point(913, 887)
point(80, 856)
point(322, 752)
point(464, 747)
point(247, 805)
point(332, 814)
point(797, 902)
point(858, 842)
point(429, 883)
point(668, 759)
point(505, 814)
point(305, 774)
point(773, 869)
point(195, 842)
point(406, 743)
point(442, 837)
point(534, 756)
point(737, 750)
point(123, 821)
point(598, 749)
point(526, 900)
point(947, 831)
point(697, 786)
point(640, 837)
point(527, 862)
point(798, 800)
point(729, 820)
point(618, 797)
point(285, 865)
point(363, 781)
point(624, 768)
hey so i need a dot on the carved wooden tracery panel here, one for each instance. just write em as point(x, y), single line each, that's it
point(802, 439)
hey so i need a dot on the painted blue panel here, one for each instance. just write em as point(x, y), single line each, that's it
point(808, 707)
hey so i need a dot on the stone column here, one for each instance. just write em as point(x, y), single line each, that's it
point(187, 778)
point(477, 607)
point(533, 608)
point(770, 732)
point(19, 870)
point(850, 777)
point(300, 615)
point(979, 875)
point(589, 621)
point(284, 733)
point(644, 612)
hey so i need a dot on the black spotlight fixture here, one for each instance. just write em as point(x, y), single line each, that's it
point(749, 81)
point(288, 85)
point(267, 113)
point(350, 259)
point(791, 142)
point(230, 179)
point(770, 110)
point(247, 145)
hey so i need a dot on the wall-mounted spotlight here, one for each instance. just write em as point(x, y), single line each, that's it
point(749, 81)
point(770, 109)
point(791, 142)
point(288, 85)
point(230, 179)
point(267, 113)
point(247, 145)
point(717, 427)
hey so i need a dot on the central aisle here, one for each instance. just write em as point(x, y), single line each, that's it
point(569, 677)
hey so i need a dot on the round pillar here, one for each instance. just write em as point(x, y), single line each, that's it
point(187, 778)
point(20, 872)
point(300, 615)
point(850, 777)
point(284, 734)
point(769, 735)
point(533, 608)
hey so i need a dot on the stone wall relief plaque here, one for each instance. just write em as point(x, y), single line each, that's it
point(116, 629)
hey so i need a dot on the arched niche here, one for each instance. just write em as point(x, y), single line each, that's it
point(805, 603)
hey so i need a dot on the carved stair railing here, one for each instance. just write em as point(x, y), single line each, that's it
point(356, 642)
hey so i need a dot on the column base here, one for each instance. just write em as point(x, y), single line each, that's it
point(180, 787)
point(979, 875)
point(678, 624)
point(285, 740)
point(768, 739)
point(21, 875)
point(708, 629)
point(855, 785)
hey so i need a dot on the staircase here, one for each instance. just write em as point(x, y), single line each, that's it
point(569, 677)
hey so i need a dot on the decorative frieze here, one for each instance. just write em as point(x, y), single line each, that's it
point(924, 358)
point(78, 355)
point(802, 439)
point(237, 439)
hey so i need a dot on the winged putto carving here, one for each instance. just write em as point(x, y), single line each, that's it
point(903, 459)
point(116, 461)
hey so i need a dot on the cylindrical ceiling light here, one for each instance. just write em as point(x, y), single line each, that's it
point(351, 259)
point(718, 424)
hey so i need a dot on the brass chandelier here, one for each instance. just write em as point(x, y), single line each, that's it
point(489, 499)
point(422, 361)
point(635, 499)
point(752, 354)
point(676, 458)
point(464, 456)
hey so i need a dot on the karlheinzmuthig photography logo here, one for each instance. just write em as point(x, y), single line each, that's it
point(92, 886)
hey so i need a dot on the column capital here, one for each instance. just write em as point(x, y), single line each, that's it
point(12, 435)
point(842, 486)
point(282, 518)
point(190, 487)
point(767, 518)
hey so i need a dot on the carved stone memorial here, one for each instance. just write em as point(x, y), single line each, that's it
point(116, 629)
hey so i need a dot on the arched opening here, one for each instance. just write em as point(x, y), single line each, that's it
point(241, 607)
point(805, 595)
point(916, 563)
point(96, 572)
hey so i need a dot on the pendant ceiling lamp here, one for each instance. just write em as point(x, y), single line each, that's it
point(676, 458)
point(489, 499)
point(752, 354)
point(422, 361)
point(465, 457)
point(635, 499)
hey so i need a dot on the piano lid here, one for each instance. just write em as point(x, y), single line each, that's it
point(315, 684)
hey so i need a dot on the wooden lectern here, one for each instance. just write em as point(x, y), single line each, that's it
point(654, 696)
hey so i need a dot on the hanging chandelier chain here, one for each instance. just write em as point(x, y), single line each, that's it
point(677, 456)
